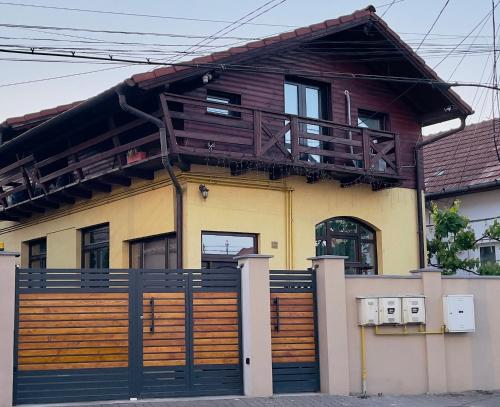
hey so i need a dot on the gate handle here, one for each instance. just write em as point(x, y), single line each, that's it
point(152, 304)
point(277, 305)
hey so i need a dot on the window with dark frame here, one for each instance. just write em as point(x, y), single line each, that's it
point(348, 237)
point(37, 258)
point(223, 98)
point(158, 252)
point(218, 249)
point(95, 247)
point(373, 120)
point(487, 255)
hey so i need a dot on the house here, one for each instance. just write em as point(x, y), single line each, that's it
point(466, 167)
point(290, 146)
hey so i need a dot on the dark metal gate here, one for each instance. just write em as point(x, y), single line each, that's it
point(294, 331)
point(84, 335)
point(190, 334)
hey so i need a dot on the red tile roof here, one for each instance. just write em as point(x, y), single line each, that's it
point(463, 160)
point(42, 115)
point(365, 13)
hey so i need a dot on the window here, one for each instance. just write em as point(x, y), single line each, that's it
point(223, 98)
point(487, 254)
point(158, 252)
point(95, 247)
point(351, 238)
point(37, 254)
point(372, 120)
point(219, 249)
point(306, 100)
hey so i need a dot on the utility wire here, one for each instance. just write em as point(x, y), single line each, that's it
point(433, 24)
point(120, 13)
point(267, 69)
point(156, 34)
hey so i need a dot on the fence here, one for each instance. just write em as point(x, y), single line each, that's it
point(115, 334)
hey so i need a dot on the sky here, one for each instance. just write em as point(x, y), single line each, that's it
point(411, 19)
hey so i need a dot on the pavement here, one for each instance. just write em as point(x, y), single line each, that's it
point(466, 399)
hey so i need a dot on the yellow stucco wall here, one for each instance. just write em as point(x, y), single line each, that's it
point(284, 211)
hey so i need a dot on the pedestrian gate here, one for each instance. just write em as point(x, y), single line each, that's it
point(294, 331)
point(84, 335)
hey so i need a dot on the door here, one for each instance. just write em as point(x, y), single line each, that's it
point(294, 331)
point(190, 333)
point(306, 100)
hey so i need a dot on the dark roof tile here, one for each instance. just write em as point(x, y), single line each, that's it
point(462, 159)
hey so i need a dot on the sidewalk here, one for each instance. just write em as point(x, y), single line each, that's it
point(467, 399)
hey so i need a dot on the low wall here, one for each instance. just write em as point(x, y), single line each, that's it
point(409, 364)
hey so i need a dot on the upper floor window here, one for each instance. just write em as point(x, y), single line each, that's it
point(37, 254)
point(223, 98)
point(351, 238)
point(487, 255)
point(307, 100)
point(95, 247)
point(372, 120)
point(159, 252)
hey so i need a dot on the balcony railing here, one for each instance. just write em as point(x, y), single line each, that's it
point(235, 133)
point(59, 172)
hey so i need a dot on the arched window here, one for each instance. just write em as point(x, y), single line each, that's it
point(348, 237)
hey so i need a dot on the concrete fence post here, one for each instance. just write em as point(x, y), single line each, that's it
point(7, 312)
point(256, 325)
point(436, 356)
point(332, 324)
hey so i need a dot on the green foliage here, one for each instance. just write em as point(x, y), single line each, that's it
point(452, 236)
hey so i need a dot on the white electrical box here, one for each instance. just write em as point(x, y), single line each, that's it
point(367, 311)
point(458, 313)
point(413, 310)
point(389, 310)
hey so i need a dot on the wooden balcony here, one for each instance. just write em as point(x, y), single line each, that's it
point(285, 144)
point(79, 162)
point(59, 174)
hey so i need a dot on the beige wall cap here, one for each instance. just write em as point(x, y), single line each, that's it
point(427, 270)
point(327, 257)
point(16, 254)
point(253, 256)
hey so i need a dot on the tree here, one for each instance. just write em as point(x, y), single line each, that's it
point(452, 236)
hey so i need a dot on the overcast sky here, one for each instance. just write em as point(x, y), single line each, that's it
point(410, 18)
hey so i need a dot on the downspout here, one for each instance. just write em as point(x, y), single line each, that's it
point(419, 177)
point(166, 164)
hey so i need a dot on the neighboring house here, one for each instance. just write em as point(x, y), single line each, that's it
point(465, 167)
point(272, 152)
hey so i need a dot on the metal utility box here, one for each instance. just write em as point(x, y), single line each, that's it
point(367, 311)
point(458, 313)
point(389, 310)
point(413, 310)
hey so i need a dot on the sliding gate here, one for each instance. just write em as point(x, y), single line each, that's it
point(294, 331)
point(84, 335)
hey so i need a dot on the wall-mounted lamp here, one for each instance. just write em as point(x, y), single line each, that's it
point(204, 191)
point(206, 78)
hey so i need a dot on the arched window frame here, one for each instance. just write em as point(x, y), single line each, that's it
point(324, 236)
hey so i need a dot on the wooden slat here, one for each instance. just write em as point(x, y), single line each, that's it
point(69, 365)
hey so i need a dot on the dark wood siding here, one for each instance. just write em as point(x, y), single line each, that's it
point(265, 91)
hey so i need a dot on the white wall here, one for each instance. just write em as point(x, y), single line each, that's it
point(482, 208)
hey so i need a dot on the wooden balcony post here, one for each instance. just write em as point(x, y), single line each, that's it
point(366, 150)
point(294, 137)
point(257, 133)
point(397, 155)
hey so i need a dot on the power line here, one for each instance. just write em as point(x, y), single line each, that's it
point(156, 34)
point(121, 13)
point(388, 8)
point(433, 24)
point(269, 69)
point(228, 29)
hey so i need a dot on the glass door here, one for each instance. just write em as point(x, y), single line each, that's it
point(305, 100)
